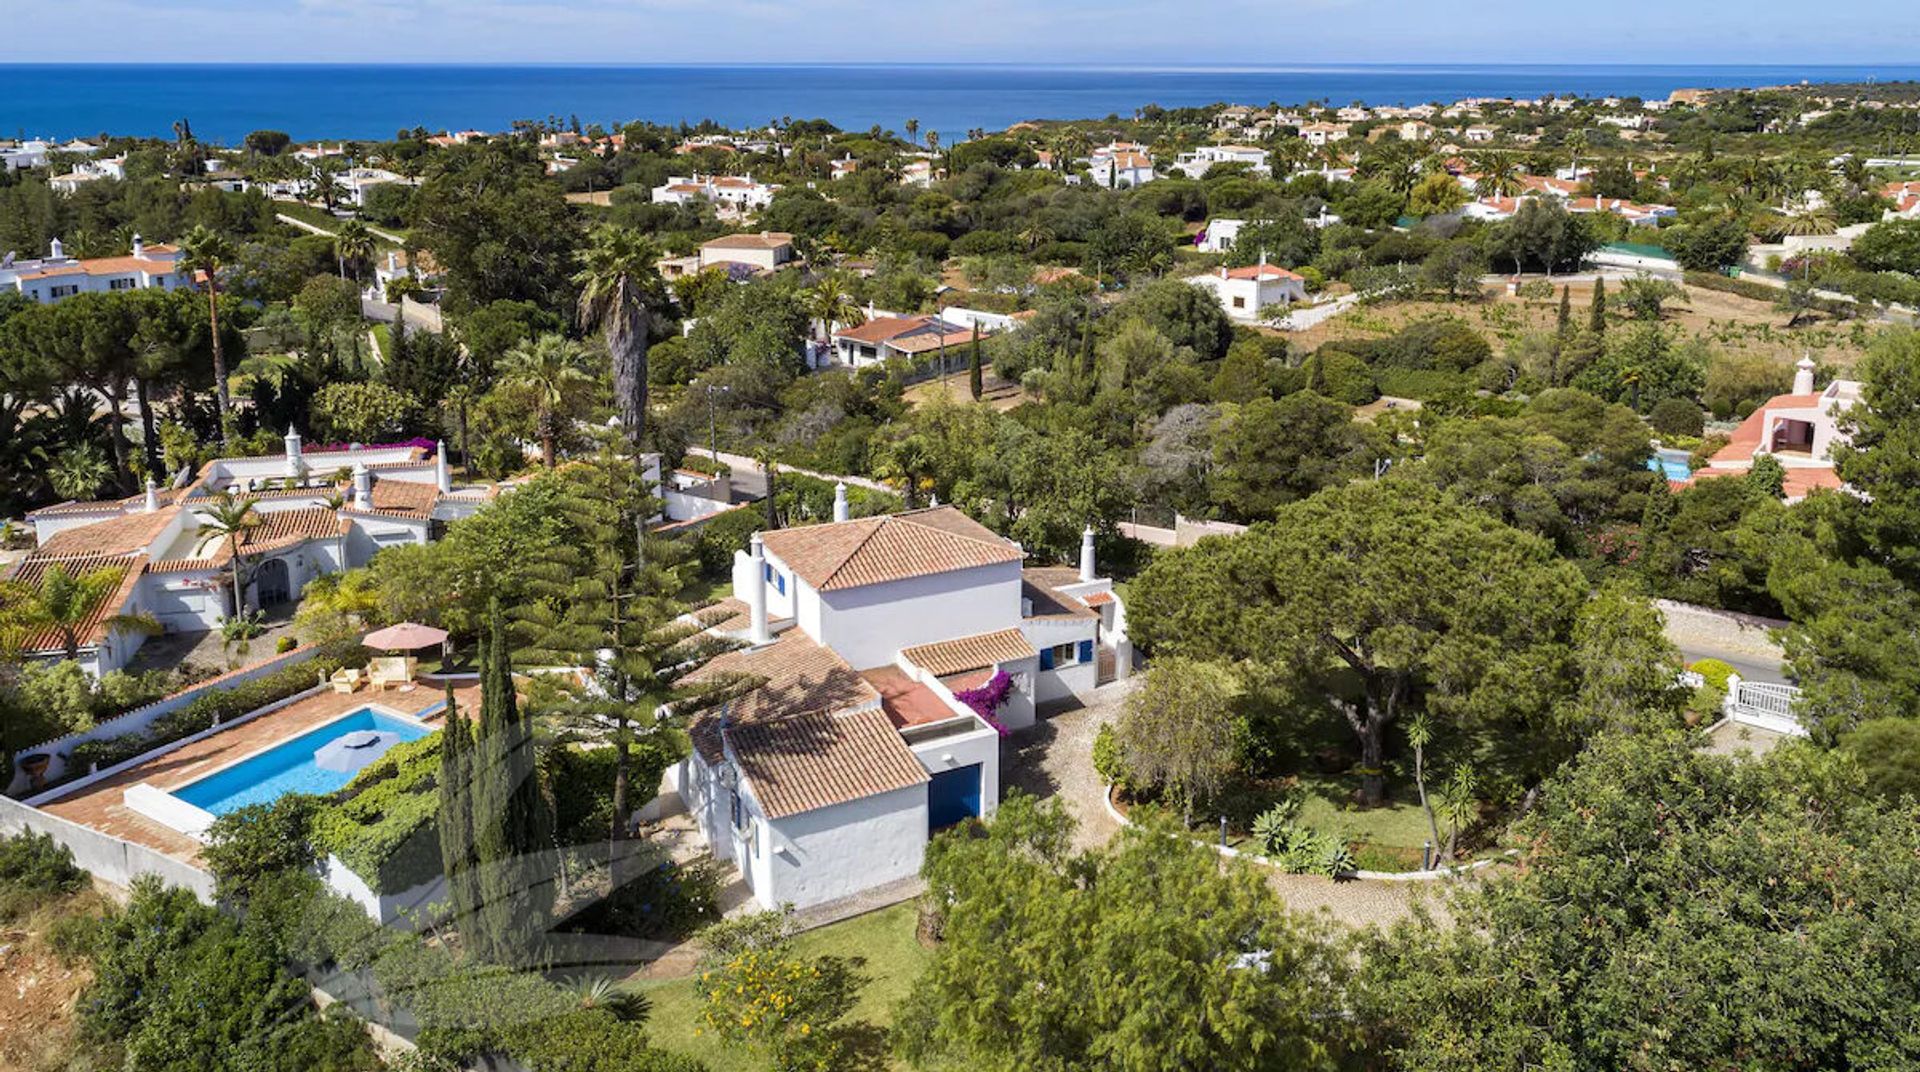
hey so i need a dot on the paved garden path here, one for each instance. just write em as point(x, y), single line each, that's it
point(1055, 759)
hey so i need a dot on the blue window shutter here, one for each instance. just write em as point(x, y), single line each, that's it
point(781, 580)
point(1046, 658)
point(1086, 651)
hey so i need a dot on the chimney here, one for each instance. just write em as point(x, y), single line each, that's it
point(393, 261)
point(139, 247)
point(153, 497)
point(1803, 376)
point(442, 476)
point(840, 501)
point(296, 466)
point(362, 487)
point(56, 250)
point(1086, 554)
point(757, 592)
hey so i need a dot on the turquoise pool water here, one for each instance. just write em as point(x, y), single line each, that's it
point(1670, 463)
point(290, 766)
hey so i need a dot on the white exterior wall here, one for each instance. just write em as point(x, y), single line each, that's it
point(981, 746)
point(835, 852)
point(370, 534)
point(186, 602)
point(869, 624)
point(1071, 679)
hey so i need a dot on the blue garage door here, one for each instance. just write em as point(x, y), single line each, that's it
point(952, 796)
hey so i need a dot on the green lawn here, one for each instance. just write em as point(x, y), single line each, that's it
point(883, 941)
point(383, 336)
point(701, 590)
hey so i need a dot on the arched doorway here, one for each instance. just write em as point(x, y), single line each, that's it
point(273, 583)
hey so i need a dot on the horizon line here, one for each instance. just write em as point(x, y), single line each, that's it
point(1091, 65)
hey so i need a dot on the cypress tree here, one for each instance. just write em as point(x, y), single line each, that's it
point(1563, 324)
point(397, 349)
point(456, 817)
point(514, 824)
point(973, 365)
point(1086, 349)
point(1597, 313)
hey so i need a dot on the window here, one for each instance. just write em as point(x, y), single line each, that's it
point(57, 293)
point(739, 813)
point(1063, 654)
point(121, 284)
point(778, 579)
point(1239, 303)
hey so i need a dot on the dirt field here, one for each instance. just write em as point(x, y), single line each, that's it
point(39, 991)
point(1729, 323)
point(995, 392)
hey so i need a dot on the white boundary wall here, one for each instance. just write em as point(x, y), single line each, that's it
point(109, 858)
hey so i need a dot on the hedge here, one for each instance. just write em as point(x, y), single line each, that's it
point(1747, 288)
point(220, 705)
point(382, 825)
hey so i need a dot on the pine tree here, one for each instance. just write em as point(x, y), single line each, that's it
point(456, 816)
point(602, 601)
point(514, 824)
point(1597, 313)
point(973, 365)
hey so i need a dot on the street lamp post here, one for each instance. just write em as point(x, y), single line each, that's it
point(713, 422)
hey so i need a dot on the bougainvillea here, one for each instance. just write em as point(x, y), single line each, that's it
point(987, 699)
point(422, 442)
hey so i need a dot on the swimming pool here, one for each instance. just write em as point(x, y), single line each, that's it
point(299, 765)
point(1673, 464)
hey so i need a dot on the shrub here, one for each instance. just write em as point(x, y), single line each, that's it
point(719, 538)
point(382, 824)
point(1422, 384)
point(214, 707)
point(1677, 417)
point(1108, 761)
point(670, 901)
point(74, 938)
point(33, 869)
point(1888, 751)
point(249, 844)
point(1714, 672)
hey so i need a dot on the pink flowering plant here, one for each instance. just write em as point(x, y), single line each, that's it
point(987, 699)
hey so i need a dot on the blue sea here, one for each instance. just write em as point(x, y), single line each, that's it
point(224, 102)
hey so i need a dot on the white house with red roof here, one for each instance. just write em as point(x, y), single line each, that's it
point(888, 656)
point(1799, 429)
point(1248, 294)
point(884, 336)
point(1196, 164)
point(319, 512)
point(733, 194)
point(1120, 166)
point(56, 276)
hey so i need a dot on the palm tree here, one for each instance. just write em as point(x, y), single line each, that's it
point(352, 244)
point(64, 603)
point(1035, 234)
point(208, 253)
point(228, 517)
point(78, 472)
point(830, 302)
point(620, 287)
point(1500, 175)
point(326, 187)
point(549, 367)
point(913, 130)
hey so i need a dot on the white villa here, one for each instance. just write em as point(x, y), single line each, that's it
point(355, 182)
point(1799, 429)
point(1248, 293)
point(1318, 134)
point(1120, 166)
point(733, 193)
point(311, 524)
point(882, 337)
point(759, 253)
point(55, 276)
point(1196, 164)
point(829, 778)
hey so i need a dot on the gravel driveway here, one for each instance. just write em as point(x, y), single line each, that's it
point(1055, 759)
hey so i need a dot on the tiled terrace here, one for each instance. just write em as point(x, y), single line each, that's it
point(99, 805)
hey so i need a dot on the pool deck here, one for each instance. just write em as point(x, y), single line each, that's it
point(100, 806)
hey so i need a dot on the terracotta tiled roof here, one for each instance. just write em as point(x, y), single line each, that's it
point(880, 329)
point(763, 240)
point(121, 535)
point(92, 631)
point(403, 498)
point(970, 652)
point(278, 529)
point(731, 614)
point(932, 340)
point(800, 676)
point(815, 761)
point(1097, 599)
point(1262, 272)
point(1740, 446)
point(891, 547)
point(104, 506)
point(1041, 586)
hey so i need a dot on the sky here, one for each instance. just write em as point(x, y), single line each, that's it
point(1179, 32)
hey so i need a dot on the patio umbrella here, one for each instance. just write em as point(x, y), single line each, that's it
point(407, 636)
